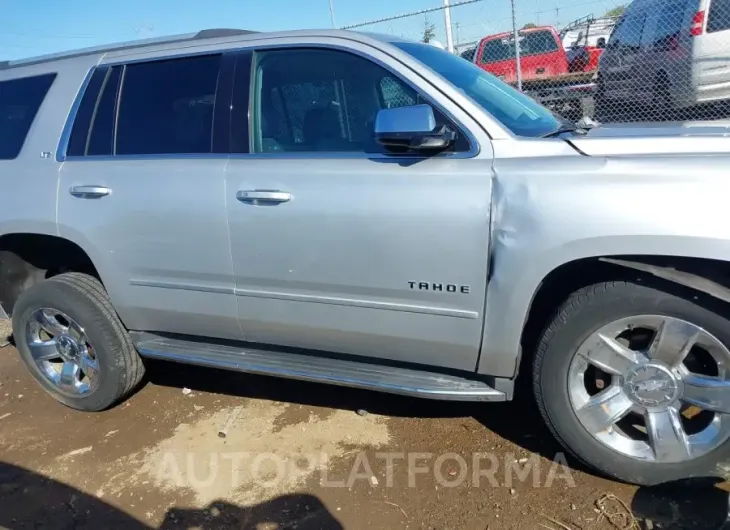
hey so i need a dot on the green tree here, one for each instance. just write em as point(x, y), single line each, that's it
point(617, 11)
point(529, 25)
point(429, 31)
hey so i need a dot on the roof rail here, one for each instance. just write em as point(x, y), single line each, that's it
point(202, 34)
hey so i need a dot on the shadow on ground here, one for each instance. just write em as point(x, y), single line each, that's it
point(29, 500)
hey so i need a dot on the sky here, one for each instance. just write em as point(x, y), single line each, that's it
point(36, 27)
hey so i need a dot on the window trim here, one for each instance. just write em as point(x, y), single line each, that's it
point(472, 152)
point(250, 48)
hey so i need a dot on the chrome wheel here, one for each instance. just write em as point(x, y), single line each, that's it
point(60, 348)
point(654, 388)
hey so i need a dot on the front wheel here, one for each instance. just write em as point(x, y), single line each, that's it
point(635, 382)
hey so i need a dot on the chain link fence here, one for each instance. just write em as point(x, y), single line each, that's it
point(638, 61)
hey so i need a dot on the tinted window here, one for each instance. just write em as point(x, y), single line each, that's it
point(670, 21)
point(324, 100)
point(516, 111)
point(167, 106)
point(93, 130)
point(84, 114)
point(629, 31)
point(719, 19)
point(531, 43)
point(20, 100)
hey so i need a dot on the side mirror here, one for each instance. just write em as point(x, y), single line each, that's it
point(412, 127)
point(601, 43)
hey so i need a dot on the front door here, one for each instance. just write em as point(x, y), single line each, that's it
point(338, 245)
point(142, 191)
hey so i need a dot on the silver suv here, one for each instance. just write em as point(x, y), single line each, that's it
point(369, 212)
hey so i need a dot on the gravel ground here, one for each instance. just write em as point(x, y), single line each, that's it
point(301, 456)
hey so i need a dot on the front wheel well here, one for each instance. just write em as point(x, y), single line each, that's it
point(27, 259)
point(560, 283)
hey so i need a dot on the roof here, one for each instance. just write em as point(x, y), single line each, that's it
point(521, 31)
point(203, 34)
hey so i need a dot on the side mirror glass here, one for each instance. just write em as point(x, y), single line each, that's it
point(412, 128)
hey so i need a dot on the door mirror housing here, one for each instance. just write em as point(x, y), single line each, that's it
point(412, 128)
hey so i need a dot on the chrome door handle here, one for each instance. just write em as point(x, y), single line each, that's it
point(89, 192)
point(265, 196)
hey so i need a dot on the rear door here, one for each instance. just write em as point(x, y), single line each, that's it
point(142, 190)
point(338, 245)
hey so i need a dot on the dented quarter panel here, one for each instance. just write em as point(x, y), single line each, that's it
point(548, 211)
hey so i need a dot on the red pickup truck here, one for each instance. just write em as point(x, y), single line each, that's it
point(556, 71)
point(541, 54)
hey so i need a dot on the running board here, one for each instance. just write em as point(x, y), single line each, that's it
point(393, 380)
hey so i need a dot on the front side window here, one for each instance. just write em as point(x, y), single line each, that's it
point(516, 111)
point(20, 100)
point(320, 100)
point(166, 107)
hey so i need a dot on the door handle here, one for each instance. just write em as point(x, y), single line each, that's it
point(89, 192)
point(263, 196)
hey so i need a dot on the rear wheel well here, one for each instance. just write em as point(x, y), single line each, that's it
point(27, 259)
point(557, 287)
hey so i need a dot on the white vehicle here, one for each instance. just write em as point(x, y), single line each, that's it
point(669, 54)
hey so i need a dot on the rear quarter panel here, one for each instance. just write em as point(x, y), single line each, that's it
point(551, 211)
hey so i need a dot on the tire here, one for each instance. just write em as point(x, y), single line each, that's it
point(82, 299)
point(586, 311)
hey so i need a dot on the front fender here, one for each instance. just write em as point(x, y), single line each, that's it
point(548, 215)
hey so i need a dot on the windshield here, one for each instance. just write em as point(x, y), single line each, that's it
point(516, 111)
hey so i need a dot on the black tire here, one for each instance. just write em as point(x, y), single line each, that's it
point(586, 311)
point(83, 298)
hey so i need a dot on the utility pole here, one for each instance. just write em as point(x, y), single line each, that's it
point(447, 22)
point(518, 59)
point(458, 27)
point(332, 14)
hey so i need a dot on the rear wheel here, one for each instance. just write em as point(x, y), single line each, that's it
point(74, 344)
point(636, 383)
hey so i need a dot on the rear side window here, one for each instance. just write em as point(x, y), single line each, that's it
point(719, 18)
point(93, 130)
point(167, 107)
point(20, 100)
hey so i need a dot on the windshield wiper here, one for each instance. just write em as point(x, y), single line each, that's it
point(564, 129)
point(581, 127)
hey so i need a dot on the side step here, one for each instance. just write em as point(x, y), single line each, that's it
point(394, 380)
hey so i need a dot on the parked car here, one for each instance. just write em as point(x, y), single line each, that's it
point(541, 54)
point(668, 54)
point(551, 75)
point(369, 212)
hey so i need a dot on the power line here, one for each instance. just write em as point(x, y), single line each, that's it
point(411, 14)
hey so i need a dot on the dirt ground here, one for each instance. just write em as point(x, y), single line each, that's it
point(301, 456)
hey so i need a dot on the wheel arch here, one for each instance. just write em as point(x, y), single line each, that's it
point(526, 288)
point(28, 258)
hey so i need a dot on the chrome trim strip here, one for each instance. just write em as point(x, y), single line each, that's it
point(183, 286)
point(346, 302)
point(71, 117)
point(368, 304)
